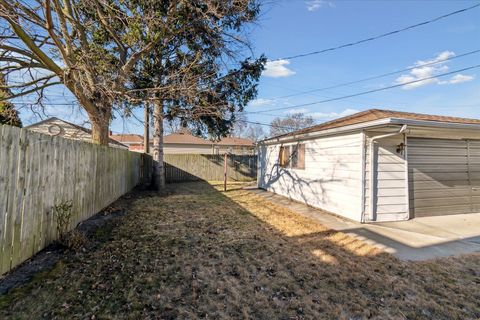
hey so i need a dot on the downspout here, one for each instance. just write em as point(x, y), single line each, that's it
point(372, 165)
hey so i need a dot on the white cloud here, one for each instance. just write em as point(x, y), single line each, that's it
point(420, 71)
point(297, 110)
point(332, 115)
point(277, 69)
point(260, 102)
point(459, 78)
point(314, 5)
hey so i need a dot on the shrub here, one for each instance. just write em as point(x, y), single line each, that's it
point(74, 239)
point(63, 215)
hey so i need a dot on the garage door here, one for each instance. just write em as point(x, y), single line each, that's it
point(444, 176)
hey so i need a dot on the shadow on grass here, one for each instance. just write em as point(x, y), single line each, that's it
point(203, 253)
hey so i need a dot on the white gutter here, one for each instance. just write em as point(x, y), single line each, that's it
point(372, 165)
point(435, 124)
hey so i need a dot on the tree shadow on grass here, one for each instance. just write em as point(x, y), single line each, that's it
point(203, 253)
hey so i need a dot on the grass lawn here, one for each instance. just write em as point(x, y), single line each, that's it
point(204, 253)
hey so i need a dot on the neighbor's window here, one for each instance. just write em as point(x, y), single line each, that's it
point(298, 156)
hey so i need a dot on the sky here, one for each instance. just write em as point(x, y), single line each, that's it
point(292, 27)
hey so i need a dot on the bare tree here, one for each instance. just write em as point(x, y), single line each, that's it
point(90, 46)
point(173, 126)
point(293, 122)
point(254, 132)
point(240, 125)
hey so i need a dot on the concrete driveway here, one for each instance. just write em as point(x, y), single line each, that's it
point(417, 239)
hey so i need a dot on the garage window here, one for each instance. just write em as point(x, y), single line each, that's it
point(284, 156)
point(298, 156)
point(292, 156)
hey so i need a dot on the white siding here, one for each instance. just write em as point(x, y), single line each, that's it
point(331, 179)
point(390, 198)
point(179, 148)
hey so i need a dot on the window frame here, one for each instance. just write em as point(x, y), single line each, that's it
point(298, 156)
point(289, 156)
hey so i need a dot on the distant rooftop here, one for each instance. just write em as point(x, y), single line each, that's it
point(184, 138)
point(229, 141)
point(127, 138)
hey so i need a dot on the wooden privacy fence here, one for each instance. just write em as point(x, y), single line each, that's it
point(209, 167)
point(38, 171)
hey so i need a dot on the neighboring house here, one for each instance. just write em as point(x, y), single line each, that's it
point(234, 145)
point(58, 127)
point(134, 142)
point(421, 165)
point(184, 142)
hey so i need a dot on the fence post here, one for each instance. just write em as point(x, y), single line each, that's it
point(225, 173)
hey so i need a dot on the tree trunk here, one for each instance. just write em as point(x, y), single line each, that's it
point(146, 133)
point(158, 166)
point(100, 131)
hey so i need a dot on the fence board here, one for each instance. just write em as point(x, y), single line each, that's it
point(192, 167)
point(4, 184)
point(12, 138)
point(38, 171)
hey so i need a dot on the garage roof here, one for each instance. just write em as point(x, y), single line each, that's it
point(377, 114)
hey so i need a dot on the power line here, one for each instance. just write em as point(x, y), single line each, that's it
point(381, 35)
point(378, 76)
point(264, 124)
point(370, 91)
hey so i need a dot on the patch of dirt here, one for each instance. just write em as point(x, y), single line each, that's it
point(201, 253)
point(46, 259)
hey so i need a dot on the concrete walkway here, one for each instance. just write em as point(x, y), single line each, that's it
point(416, 239)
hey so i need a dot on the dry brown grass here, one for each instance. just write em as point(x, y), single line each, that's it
point(204, 253)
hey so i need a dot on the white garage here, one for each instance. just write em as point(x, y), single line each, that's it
point(421, 165)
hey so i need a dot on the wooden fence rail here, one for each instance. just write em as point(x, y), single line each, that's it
point(209, 167)
point(38, 171)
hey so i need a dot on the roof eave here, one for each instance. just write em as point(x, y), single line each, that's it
point(373, 124)
point(326, 132)
point(435, 124)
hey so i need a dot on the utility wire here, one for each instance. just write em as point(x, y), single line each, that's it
point(264, 124)
point(381, 35)
point(377, 77)
point(370, 91)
